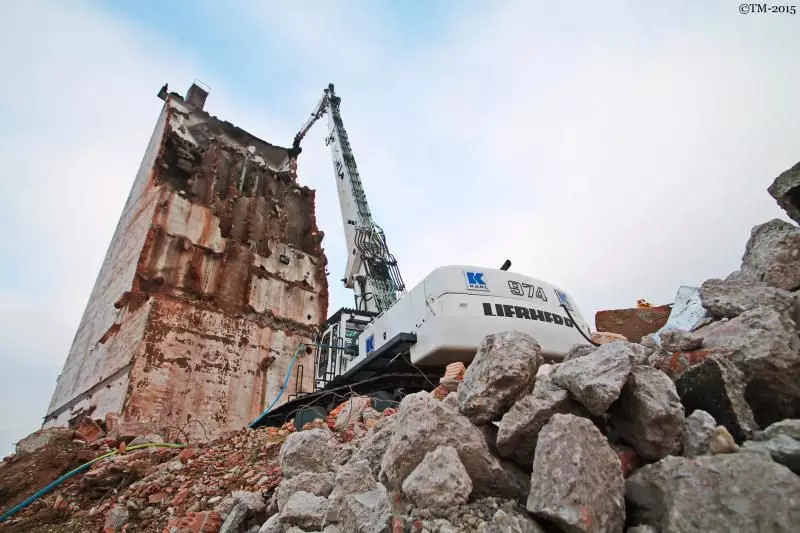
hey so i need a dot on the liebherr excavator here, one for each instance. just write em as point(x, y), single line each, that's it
point(394, 342)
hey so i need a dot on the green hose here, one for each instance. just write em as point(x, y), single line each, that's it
point(29, 500)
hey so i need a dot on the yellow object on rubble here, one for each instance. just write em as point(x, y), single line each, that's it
point(641, 302)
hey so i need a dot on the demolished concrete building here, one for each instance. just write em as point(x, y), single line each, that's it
point(214, 277)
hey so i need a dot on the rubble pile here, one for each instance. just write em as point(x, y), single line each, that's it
point(146, 487)
point(614, 438)
point(681, 432)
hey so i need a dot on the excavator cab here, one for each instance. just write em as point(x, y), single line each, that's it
point(338, 343)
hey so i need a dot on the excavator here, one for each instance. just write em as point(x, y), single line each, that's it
point(395, 341)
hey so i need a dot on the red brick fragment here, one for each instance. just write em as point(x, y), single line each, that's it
point(186, 454)
point(398, 525)
point(180, 498)
point(440, 392)
point(196, 522)
point(628, 458)
point(60, 503)
point(158, 497)
point(88, 430)
point(455, 371)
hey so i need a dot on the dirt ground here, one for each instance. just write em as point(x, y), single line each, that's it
point(24, 474)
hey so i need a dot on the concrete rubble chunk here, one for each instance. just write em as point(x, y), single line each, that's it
point(786, 191)
point(423, 424)
point(790, 427)
point(676, 340)
point(351, 412)
point(367, 512)
point(451, 400)
point(519, 482)
point(607, 337)
point(224, 505)
point(319, 484)
point(733, 492)
point(304, 510)
point(782, 448)
point(520, 426)
point(577, 481)
point(722, 441)
point(151, 438)
point(116, 518)
point(579, 350)
point(767, 351)
point(253, 501)
point(344, 453)
point(370, 416)
point(697, 433)
point(126, 431)
point(596, 380)
point(503, 369)
point(717, 387)
point(306, 451)
point(640, 355)
point(731, 298)
point(374, 447)
point(656, 355)
point(510, 522)
point(641, 529)
point(650, 342)
point(772, 255)
point(41, 438)
point(490, 435)
point(354, 478)
point(649, 414)
point(235, 519)
point(272, 525)
point(440, 480)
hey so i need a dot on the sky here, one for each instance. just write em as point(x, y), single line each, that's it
point(616, 149)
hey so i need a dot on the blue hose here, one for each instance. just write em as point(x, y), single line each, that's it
point(30, 499)
point(283, 388)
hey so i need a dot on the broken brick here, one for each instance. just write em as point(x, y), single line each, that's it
point(187, 454)
point(196, 522)
point(88, 430)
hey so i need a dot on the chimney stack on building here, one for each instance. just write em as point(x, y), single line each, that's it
point(196, 95)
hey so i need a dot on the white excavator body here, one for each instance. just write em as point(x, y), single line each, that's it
point(452, 309)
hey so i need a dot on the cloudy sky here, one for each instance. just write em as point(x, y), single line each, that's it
point(616, 149)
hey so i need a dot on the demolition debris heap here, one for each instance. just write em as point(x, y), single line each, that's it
point(214, 276)
point(681, 431)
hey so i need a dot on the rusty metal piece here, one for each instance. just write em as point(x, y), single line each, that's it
point(632, 323)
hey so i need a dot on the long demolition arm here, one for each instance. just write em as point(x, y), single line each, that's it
point(371, 270)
